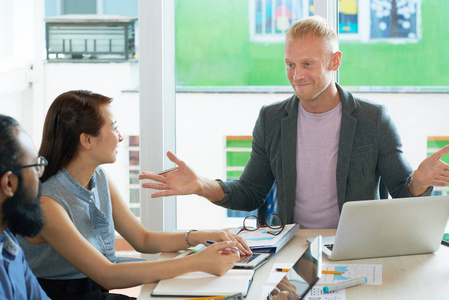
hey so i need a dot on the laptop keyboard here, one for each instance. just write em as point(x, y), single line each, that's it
point(329, 246)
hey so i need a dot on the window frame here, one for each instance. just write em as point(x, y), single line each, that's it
point(157, 105)
point(268, 37)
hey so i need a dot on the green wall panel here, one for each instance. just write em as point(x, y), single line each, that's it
point(437, 143)
point(231, 175)
point(238, 143)
point(237, 159)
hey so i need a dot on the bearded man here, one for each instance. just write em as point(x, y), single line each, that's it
point(20, 213)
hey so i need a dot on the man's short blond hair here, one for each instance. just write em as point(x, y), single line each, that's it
point(316, 25)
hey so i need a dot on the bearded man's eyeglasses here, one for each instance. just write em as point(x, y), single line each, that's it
point(40, 165)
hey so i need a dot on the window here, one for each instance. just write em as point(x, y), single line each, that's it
point(393, 19)
point(79, 7)
point(348, 17)
point(389, 20)
point(127, 8)
point(398, 36)
point(90, 37)
point(270, 19)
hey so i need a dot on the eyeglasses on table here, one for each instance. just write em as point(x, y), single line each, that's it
point(272, 221)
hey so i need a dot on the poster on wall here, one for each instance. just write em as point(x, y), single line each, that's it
point(393, 18)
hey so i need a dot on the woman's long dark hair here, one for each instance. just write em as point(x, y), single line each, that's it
point(71, 114)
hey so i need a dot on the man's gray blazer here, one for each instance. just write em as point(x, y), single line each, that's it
point(369, 148)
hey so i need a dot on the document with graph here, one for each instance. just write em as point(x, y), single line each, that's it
point(373, 273)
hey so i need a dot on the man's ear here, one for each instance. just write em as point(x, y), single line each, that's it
point(9, 183)
point(336, 60)
point(86, 141)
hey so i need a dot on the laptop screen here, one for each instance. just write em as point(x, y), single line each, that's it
point(306, 271)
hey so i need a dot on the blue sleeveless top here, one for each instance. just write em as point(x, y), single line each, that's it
point(90, 212)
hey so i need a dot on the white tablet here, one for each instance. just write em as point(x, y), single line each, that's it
point(246, 262)
point(253, 261)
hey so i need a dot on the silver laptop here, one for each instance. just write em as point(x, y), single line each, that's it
point(390, 227)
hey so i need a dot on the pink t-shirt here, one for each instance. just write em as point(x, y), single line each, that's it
point(316, 204)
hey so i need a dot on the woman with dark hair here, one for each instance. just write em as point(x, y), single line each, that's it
point(73, 256)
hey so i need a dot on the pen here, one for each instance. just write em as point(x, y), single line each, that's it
point(232, 248)
point(233, 297)
point(331, 272)
point(344, 284)
point(273, 232)
point(207, 298)
point(166, 171)
point(281, 270)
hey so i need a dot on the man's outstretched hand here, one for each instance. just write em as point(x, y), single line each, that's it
point(182, 181)
point(431, 172)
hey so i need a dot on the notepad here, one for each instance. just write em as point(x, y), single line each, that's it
point(203, 284)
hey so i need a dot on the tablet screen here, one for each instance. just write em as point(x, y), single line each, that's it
point(307, 270)
point(251, 261)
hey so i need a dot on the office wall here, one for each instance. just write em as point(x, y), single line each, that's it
point(16, 91)
point(18, 32)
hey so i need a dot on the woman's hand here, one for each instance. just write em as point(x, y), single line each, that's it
point(201, 237)
point(217, 259)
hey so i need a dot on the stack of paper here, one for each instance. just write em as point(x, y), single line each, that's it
point(203, 284)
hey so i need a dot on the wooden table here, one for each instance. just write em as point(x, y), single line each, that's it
point(424, 276)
